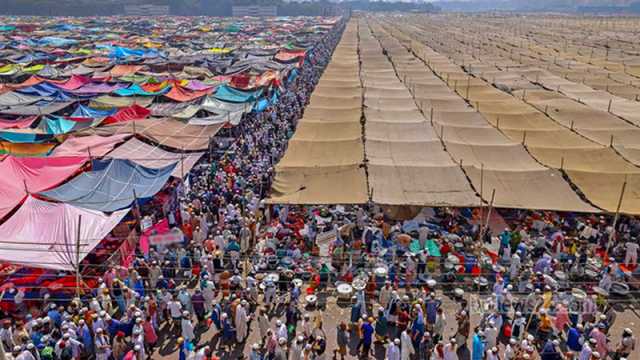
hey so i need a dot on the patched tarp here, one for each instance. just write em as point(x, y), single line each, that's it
point(168, 132)
point(111, 185)
point(45, 235)
point(155, 157)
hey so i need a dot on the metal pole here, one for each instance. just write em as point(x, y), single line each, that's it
point(78, 256)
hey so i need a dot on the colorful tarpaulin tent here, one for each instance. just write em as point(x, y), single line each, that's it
point(93, 145)
point(111, 185)
point(227, 93)
point(22, 175)
point(45, 235)
point(154, 157)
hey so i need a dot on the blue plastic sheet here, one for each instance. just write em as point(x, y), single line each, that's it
point(57, 125)
point(85, 111)
point(136, 90)
point(24, 138)
point(111, 185)
point(226, 93)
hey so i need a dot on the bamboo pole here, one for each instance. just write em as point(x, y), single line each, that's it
point(615, 218)
point(78, 256)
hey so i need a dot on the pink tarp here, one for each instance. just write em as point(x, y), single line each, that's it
point(21, 123)
point(74, 82)
point(97, 145)
point(20, 175)
point(44, 235)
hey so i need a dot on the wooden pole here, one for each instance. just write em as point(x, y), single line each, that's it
point(78, 256)
point(485, 221)
point(615, 218)
point(182, 165)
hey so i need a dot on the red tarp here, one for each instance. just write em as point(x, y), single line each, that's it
point(133, 112)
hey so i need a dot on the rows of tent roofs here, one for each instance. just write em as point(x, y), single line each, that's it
point(99, 113)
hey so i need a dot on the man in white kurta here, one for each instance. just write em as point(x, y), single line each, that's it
point(393, 352)
point(406, 346)
point(187, 327)
point(241, 323)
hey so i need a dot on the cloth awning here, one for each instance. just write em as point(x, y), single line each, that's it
point(20, 175)
point(155, 157)
point(111, 185)
point(45, 235)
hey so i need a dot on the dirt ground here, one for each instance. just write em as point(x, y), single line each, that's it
point(333, 313)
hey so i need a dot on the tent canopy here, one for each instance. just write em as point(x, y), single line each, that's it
point(111, 185)
point(44, 234)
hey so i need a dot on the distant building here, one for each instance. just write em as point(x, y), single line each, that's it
point(255, 10)
point(146, 10)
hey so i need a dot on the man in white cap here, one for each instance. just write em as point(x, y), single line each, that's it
point(627, 344)
point(296, 348)
point(281, 349)
point(406, 346)
point(208, 293)
point(281, 329)
point(492, 354)
point(587, 350)
point(491, 335)
point(307, 326)
point(510, 349)
point(385, 294)
point(393, 350)
point(187, 327)
point(449, 351)
point(102, 347)
point(242, 321)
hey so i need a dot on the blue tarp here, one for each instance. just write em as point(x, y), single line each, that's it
point(226, 93)
point(56, 41)
point(45, 89)
point(85, 111)
point(111, 185)
point(123, 52)
point(57, 125)
point(23, 138)
point(136, 90)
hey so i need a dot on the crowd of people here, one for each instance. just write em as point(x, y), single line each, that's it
point(543, 286)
